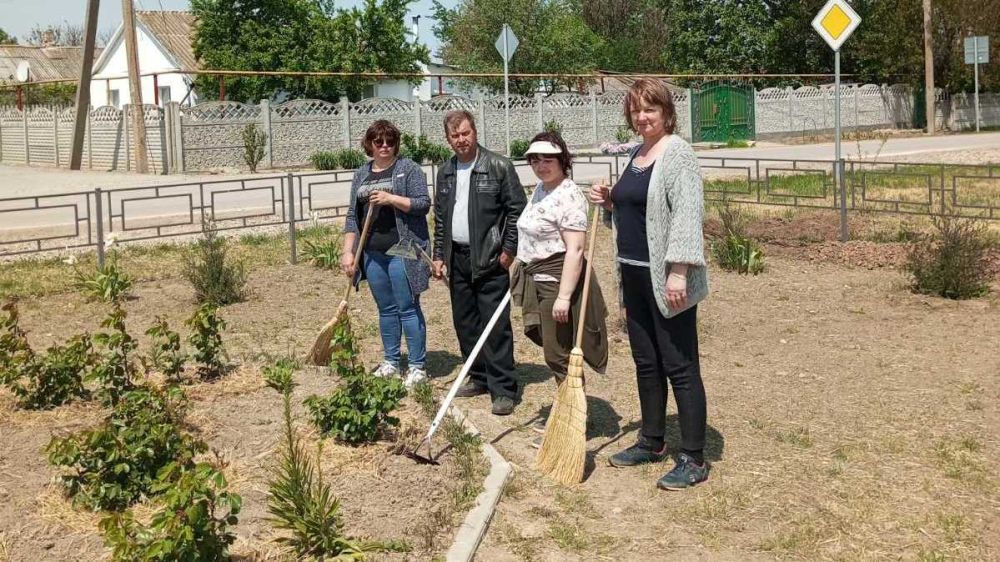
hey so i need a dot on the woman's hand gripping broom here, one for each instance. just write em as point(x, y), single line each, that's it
point(563, 454)
point(321, 350)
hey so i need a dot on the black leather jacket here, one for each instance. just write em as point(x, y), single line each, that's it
point(496, 199)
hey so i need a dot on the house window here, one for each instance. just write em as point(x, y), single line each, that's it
point(164, 95)
point(115, 100)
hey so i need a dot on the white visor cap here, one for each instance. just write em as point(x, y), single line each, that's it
point(543, 147)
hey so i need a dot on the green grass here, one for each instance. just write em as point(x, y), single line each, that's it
point(798, 437)
point(37, 277)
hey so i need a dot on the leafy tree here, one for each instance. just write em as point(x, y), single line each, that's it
point(553, 39)
point(64, 35)
point(7, 39)
point(716, 36)
point(633, 31)
point(301, 36)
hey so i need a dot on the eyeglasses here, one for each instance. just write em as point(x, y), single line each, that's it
point(383, 142)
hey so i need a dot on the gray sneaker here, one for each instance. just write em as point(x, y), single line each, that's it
point(685, 474)
point(386, 370)
point(414, 375)
point(636, 455)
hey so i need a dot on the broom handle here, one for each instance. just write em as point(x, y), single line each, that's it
point(586, 276)
point(361, 248)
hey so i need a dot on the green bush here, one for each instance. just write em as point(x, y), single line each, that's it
point(736, 251)
point(518, 147)
point(325, 160)
point(422, 151)
point(324, 254)
point(115, 464)
point(553, 126)
point(254, 142)
point(107, 284)
point(206, 338)
point(165, 353)
point(194, 513)
point(215, 278)
point(115, 369)
point(360, 409)
point(351, 158)
point(949, 262)
point(624, 134)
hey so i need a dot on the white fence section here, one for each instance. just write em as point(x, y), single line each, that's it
point(208, 136)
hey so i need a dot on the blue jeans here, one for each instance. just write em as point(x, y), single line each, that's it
point(398, 308)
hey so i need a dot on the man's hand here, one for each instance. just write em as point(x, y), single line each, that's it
point(439, 270)
point(560, 310)
point(506, 259)
point(347, 264)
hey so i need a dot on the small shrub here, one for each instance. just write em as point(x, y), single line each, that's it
point(423, 395)
point(949, 261)
point(109, 283)
point(299, 501)
point(41, 381)
point(624, 134)
point(254, 142)
point(359, 410)
point(351, 158)
point(553, 126)
point(206, 338)
point(165, 353)
point(421, 150)
point(194, 513)
point(736, 251)
point(325, 160)
point(518, 147)
point(115, 369)
point(215, 278)
point(733, 142)
point(324, 254)
point(114, 465)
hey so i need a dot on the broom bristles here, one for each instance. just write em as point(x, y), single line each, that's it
point(563, 454)
point(321, 351)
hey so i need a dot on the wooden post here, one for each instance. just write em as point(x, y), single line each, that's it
point(156, 90)
point(83, 86)
point(135, 87)
point(928, 69)
point(222, 88)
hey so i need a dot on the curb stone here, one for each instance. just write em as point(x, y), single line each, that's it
point(472, 530)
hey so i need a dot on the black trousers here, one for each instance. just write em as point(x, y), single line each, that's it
point(472, 305)
point(664, 350)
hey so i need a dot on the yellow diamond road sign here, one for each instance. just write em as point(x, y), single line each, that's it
point(835, 22)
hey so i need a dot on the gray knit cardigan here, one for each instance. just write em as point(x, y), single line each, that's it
point(674, 213)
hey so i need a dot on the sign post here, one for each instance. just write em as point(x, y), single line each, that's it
point(977, 50)
point(835, 22)
point(506, 45)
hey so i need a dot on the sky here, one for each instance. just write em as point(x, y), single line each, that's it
point(18, 17)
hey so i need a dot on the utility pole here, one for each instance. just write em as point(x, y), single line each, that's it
point(928, 68)
point(135, 87)
point(83, 86)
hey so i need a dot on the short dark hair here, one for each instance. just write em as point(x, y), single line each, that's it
point(455, 117)
point(384, 130)
point(564, 157)
point(653, 92)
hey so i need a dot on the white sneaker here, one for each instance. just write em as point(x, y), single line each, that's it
point(414, 375)
point(386, 370)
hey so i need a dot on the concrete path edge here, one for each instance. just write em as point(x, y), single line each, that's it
point(472, 530)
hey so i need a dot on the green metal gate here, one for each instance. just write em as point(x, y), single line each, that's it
point(722, 111)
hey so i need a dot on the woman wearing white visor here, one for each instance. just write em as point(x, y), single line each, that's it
point(552, 235)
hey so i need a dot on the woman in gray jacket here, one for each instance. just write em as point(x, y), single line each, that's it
point(395, 189)
point(657, 209)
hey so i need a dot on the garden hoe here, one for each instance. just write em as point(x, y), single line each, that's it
point(321, 352)
point(429, 459)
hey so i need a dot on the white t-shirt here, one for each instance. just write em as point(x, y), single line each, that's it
point(460, 214)
point(541, 223)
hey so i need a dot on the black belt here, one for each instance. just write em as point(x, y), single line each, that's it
point(458, 248)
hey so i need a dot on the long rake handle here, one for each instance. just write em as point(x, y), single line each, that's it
point(369, 216)
point(595, 223)
point(468, 365)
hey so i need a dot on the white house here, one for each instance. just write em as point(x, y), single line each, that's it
point(165, 58)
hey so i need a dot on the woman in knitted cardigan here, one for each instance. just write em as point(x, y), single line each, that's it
point(657, 208)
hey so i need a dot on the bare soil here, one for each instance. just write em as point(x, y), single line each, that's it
point(848, 419)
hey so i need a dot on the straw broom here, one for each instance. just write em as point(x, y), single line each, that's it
point(321, 352)
point(563, 454)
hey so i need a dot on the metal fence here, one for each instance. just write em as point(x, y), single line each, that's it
point(53, 223)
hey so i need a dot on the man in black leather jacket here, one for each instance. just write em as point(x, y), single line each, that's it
point(477, 201)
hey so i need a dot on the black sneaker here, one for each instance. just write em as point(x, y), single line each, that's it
point(503, 406)
point(685, 474)
point(470, 389)
point(636, 455)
